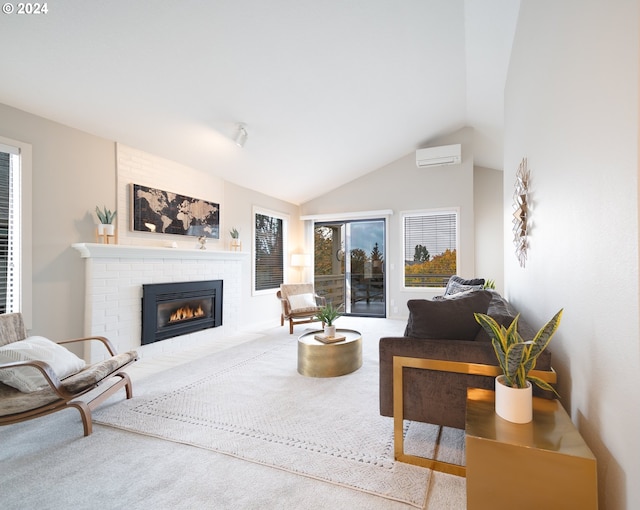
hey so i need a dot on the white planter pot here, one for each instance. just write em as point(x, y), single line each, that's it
point(514, 404)
point(108, 229)
point(330, 331)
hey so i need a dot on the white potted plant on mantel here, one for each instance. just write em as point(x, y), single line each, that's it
point(236, 244)
point(514, 398)
point(106, 217)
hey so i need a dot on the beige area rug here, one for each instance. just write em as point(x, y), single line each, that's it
point(250, 402)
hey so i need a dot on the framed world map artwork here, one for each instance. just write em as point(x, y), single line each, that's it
point(164, 212)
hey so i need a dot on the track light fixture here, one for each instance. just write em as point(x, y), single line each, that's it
point(241, 135)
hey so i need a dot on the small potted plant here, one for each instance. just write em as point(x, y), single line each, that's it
point(106, 217)
point(516, 359)
point(328, 314)
point(236, 244)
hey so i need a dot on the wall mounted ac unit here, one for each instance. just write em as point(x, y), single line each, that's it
point(436, 156)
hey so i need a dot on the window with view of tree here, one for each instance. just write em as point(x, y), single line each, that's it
point(430, 248)
point(270, 239)
point(10, 241)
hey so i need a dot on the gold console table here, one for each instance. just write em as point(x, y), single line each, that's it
point(544, 464)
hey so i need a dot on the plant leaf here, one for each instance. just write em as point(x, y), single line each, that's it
point(514, 357)
point(542, 339)
point(542, 384)
point(500, 354)
point(492, 328)
point(513, 327)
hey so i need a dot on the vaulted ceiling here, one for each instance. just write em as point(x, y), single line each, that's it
point(329, 90)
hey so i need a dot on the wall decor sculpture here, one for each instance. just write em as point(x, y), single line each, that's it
point(154, 210)
point(521, 212)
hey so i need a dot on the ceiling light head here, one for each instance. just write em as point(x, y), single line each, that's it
point(241, 135)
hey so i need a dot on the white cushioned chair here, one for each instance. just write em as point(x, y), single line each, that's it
point(300, 304)
point(40, 377)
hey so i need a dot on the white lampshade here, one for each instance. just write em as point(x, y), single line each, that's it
point(300, 260)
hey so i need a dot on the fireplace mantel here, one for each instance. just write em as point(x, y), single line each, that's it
point(118, 251)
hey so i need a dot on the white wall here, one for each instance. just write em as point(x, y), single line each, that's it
point(261, 310)
point(401, 186)
point(572, 109)
point(138, 167)
point(489, 234)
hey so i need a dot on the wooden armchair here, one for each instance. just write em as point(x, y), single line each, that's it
point(55, 393)
point(300, 304)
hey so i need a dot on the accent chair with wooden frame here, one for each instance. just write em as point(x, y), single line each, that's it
point(300, 304)
point(56, 393)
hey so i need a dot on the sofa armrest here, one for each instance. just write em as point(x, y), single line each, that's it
point(438, 396)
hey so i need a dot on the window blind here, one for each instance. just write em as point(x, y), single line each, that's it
point(10, 241)
point(436, 232)
point(269, 252)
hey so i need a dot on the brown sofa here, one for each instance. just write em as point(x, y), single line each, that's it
point(446, 329)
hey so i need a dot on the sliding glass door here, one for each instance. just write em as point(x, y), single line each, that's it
point(349, 265)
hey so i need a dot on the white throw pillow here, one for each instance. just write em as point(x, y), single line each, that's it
point(27, 379)
point(302, 302)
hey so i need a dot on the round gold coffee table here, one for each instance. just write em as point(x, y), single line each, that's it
point(318, 359)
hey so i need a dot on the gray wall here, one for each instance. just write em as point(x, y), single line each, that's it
point(572, 110)
point(72, 172)
point(489, 234)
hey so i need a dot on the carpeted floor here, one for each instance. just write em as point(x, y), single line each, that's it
point(310, 443)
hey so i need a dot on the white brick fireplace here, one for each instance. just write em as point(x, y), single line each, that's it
point(114, 275)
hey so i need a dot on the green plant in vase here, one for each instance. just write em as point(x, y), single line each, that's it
point(517, 358)
point(235, 239)
point(328, 315)
point(106, 217)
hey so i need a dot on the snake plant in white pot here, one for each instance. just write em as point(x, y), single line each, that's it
point(516, 359)
point(106, 217)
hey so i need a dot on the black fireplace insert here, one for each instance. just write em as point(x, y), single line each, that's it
point(179, 308)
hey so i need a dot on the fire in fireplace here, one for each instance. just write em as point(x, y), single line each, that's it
point(173, 309)
point(185, 313)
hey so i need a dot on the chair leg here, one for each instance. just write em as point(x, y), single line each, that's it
point(281, 320)
point(291, 326)
point(85, 414)
point(128, 387)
